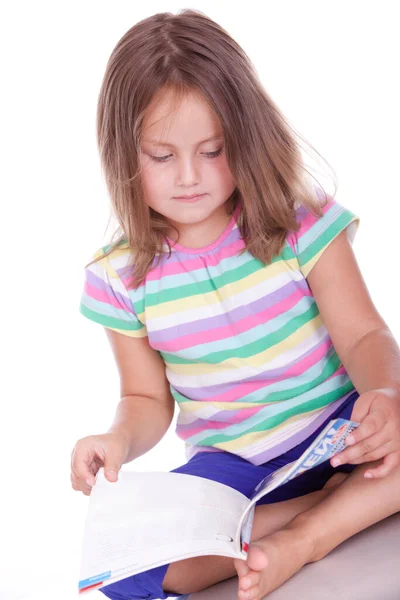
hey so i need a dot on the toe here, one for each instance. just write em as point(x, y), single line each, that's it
point(257, 560)
point(241, 567)
point(249, 581)
point(251, 594)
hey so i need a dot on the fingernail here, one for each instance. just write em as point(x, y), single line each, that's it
point(89, 482)
point(112, 474)
point(368, 476)
point(350, 440)
point(335, 462)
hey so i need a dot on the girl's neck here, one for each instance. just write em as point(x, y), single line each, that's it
point(204, 233)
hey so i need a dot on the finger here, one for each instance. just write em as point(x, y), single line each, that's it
point(372, 423)
point(87, 490)
point(363, 448)
point(362, 405)
point(376, 454)
point(80, 486)
point(390, 462)
point(82, 472)
point(111, 469)
point(85, 475)
point(83, 461)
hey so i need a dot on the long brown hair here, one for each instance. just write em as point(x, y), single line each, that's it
point(188, 52)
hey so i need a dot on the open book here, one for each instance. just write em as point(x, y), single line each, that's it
point(145, 520)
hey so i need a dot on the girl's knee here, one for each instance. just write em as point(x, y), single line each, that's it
point(177, 579)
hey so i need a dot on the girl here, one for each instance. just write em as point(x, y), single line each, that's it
point(233, 290)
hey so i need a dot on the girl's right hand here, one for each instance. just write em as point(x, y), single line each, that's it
point(108, 450)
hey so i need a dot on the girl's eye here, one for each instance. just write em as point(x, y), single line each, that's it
point(207, 154)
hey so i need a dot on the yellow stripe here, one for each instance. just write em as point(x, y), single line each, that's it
point(224, 292)
point(130, 333)
point(309, 265)
point(295, 339)
point(252, 438)
point(105, 262)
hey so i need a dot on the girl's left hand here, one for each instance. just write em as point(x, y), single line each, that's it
point(377, 436)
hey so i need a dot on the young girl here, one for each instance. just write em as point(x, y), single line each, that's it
point(233, 290)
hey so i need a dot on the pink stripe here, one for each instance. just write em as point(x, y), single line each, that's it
point(240, 391)
point(310, 219)
point(185, 266)
point(242, 415)
point(340, 371)
point(292, 240)
point(241, 326)
point(100, 295)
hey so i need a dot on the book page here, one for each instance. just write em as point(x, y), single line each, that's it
point(145, 520)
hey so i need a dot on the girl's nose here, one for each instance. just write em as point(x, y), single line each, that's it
point(188, 175)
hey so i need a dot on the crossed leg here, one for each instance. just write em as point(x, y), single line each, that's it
point(350, 507)
point(195, 574)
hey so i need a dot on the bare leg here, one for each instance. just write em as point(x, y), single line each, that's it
point(195, 574)
point(316, 532)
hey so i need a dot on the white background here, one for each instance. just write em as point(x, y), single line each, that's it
point(329, 65)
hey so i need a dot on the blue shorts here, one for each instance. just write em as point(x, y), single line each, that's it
point(243, 476)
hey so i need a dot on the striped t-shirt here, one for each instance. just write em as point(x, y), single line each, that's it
point(249, 361)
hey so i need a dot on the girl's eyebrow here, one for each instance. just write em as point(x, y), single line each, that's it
point(166, 145)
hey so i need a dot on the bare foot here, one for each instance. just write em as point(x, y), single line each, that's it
point(272, 560)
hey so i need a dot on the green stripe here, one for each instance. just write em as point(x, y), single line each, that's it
point(276, 420)
point(109, 321)
point(209, 285)
point(340, 223)
point(279, 396)
point(287, 252)
point(107, 247)
point(251, 349)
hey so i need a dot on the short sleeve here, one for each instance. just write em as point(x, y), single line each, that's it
point(106, 300)
point(316, 233)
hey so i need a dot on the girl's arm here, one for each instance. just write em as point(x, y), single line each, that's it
point(146, 407)
point(358, 332)
point(367, 350)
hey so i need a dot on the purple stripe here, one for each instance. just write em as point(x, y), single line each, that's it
point(229, 317)
point(209, 392)
point(271, 453)
point(300, 436)
point(223, 415)
point(100, 284)
point(301, 213)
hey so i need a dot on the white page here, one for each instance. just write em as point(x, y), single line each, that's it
point(145, 520)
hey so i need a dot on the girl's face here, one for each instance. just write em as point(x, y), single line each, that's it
point(177, 160)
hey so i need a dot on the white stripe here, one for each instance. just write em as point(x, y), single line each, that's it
point(248, 452)
point(116, 284)
point(267, 286)
point(287, 432)
point(237, 374)
point(276, 438)
point(121, 261)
